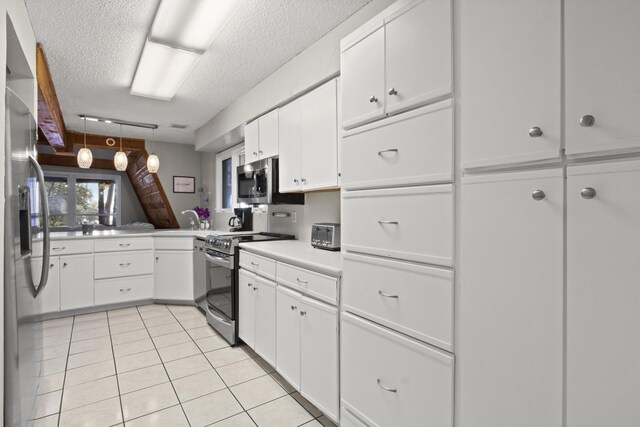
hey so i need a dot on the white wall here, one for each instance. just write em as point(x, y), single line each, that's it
point(317, 63)
point(178, 160)
point(17, 12)
point(321, 206)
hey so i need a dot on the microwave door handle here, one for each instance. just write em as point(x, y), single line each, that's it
point(46, 250)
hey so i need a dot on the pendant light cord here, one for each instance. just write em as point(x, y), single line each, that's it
point(85, 132)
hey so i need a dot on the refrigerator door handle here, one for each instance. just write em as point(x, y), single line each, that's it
point(46, 250)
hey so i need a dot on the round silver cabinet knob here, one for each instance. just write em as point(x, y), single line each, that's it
point(393, 91)
point(588, 193)
point(373, 99)
point(535, 132)
point(538, 195)
point(587, 121)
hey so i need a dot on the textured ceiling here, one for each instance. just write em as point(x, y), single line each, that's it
point(93, 47)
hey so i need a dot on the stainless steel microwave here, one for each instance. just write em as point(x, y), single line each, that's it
point(258, 184)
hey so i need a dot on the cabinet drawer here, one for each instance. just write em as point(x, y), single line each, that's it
point(123, 244)
point(414, 223)
point(308, 282)
point(120, 264)
point(65, 247)
point(409, 149)
point(112, 291)
point(258, 264)
point(414, 299)
point(173, 243)
point(390, 380)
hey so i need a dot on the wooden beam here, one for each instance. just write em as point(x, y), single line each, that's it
point(50, 119)
point(99, 141)
point(71, 161)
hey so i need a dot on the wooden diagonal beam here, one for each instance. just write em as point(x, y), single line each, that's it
point(50, 120)
point(71, 161)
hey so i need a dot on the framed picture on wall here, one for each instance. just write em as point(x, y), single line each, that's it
point(184, 184)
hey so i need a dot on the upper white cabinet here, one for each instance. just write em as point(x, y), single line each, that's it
point(603, 243)
point(400, 61)
point(308, 148)
point(261, 137)
point(509, 84)
point(510, 351)
point(602, 69)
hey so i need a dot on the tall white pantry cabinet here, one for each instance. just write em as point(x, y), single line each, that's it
point(547, 320)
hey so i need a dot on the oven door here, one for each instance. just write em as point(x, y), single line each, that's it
point(221, 294)
point(254, 182)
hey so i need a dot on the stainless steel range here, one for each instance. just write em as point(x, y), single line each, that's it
point(221, 301)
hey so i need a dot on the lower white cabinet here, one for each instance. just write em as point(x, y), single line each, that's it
point(264, 306)
point(389, 380)
point(123, 289)
point(174, 275)
point(49, 297)
point(246, 314)
point(76, 281)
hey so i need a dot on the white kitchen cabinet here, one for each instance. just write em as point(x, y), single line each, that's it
point(603, 243)
point(397, 61)
point(261, 137)
point(123, 289)
point(76, 281)
point(265, 319)
point(510, 80)
point(319, 355)
point(309, 141)
point(246, 307)
point(511, 300)
point(288, 335)
point(602, 75)
point(173, 272)
point(49, 297)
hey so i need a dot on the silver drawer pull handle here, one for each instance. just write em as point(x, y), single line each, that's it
point(388, 295)
point(303, 313)
point(51, 265)
point(392, 91)
point(390, 150)
point(254, 264)
point(302, 281)
point(535, 132)
point(587, 121)
point(392, 390)
point(388, 222)
point(255, 288)
point(538, 195)
point(293, 307)
point(124, 245)
point(60, 248)
point(249, 284)
point(588, 193)
point(373, 99)
point(125, 290)
point(125, 265)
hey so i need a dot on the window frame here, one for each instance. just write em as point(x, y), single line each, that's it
point(71, 178)
point(235, 154)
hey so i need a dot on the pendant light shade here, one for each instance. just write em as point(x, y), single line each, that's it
point(120, 161)
point(153, 163)
point(85, 157)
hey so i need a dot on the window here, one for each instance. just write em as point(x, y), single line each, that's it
point(74, 198)
point(226, 180)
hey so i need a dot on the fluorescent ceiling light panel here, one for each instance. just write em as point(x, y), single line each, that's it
point(162, 70)
point(191, 24)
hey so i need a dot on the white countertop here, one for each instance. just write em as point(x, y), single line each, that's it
point(99, 234)
point(299, 253)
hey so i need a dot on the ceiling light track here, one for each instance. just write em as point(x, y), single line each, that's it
point(117, 121)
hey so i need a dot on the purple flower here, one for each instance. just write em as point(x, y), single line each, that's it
point(203, 213)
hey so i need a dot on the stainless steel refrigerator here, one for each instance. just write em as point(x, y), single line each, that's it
point(26, 223)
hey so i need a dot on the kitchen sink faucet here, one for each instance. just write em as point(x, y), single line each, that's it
point(193, 224)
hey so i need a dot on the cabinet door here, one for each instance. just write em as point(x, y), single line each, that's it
point(510, 315)
point(289, 147)
point(603, 243)
point(288, 335)
point(251, 142)
point(49, 298)
point(319, 138)
point(268, 131)
point(174, 275)
point(418, 54)
point(76, 281)
point(265, 320)
point(319, 355)
point(510, 80)
point(602, 72)
point(246, 283)
point(362, 73)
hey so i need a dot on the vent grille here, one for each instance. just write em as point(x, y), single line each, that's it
point(178, 126)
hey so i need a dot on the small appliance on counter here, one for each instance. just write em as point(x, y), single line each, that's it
point(326, 235)
point(242, 221)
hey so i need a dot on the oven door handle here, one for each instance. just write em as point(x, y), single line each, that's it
point(223, 262)
point(218, 318)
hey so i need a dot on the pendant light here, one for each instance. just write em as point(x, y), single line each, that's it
point(120, 159)
point(85, 158)
point(153, 162)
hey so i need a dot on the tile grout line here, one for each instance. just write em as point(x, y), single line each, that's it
point(64, 381)
point(115, 367)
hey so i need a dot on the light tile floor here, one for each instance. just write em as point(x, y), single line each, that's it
point(159, 365)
